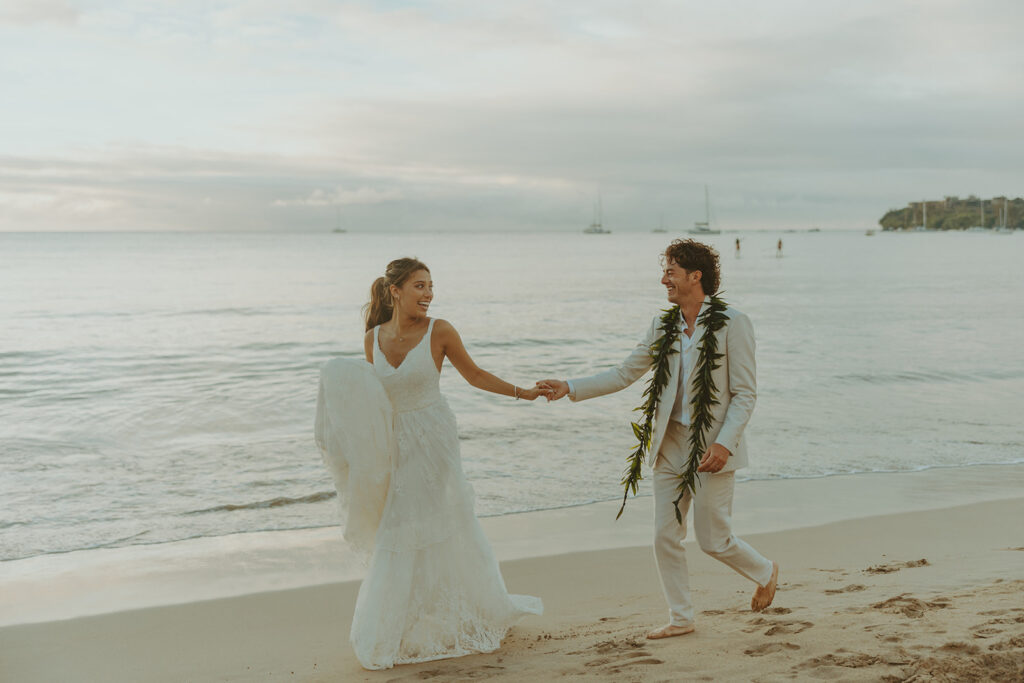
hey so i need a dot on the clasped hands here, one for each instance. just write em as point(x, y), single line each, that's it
point(713, 460)
point(551, 389)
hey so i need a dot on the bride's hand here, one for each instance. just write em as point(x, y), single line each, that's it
point(532, 393)
point(555, 388)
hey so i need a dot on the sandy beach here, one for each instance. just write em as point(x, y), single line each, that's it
point(911, 594)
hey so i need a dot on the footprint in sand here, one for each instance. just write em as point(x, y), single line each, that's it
point(601, 661)
point(430, 673)
point(991, 624)
point(910, 607)
point(854, 660)
point(769, 648)
point(874, 627)
point(1015, 643)
point(635, 662)
point(620, 660)
point(896, 566)
point(775, 627)
point(770, 610)
point(607, 647)
point(485, 671)
point(1000, 612)
point(986, 632)
point(886, 634)
point(960, 648)
point(852, 588)
point(788, 628)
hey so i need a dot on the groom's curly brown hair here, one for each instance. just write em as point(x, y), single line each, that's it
point(693, 255)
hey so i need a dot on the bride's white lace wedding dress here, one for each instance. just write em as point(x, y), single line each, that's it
point(433, 589)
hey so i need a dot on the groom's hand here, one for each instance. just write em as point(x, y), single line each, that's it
point(556, 388)
point(714, 458)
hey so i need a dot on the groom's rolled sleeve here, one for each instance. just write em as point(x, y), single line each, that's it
point(740, 347)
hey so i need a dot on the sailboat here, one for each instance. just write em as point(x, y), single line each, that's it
point(661, 224)
point(1003, 229)
point(981, 226)
point(337, 220)
point(704, 227)
point(924, 217)
point(596, 228)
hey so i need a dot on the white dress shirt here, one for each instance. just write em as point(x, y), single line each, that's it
point(681, 408)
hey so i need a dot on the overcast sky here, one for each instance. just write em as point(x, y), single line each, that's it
point(469, 114)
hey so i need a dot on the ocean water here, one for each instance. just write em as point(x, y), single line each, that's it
point(157, 387)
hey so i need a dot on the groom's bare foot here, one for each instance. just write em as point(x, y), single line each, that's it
point(669, 631)
point(764, 595)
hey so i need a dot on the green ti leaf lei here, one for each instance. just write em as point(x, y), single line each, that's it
point(663, 347)
point(704, 396)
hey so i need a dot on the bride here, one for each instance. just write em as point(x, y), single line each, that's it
point(433, 588)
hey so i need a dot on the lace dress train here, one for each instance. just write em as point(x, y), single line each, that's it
point(433, 589)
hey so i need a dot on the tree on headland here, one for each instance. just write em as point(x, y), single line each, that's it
point(953, 213)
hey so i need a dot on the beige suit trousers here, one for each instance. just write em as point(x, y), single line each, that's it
point(712, 524)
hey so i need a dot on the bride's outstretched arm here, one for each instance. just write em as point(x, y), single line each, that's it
point(453, 348)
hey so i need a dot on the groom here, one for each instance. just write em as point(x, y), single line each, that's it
point(691, 276)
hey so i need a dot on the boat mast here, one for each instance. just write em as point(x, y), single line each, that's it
point(595, 225)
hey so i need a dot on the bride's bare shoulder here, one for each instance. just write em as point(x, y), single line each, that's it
point(444, 331)
point(443, 326)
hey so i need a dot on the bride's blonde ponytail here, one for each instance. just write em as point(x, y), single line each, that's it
point(380, 306)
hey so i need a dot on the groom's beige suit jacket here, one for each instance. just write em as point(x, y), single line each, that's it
point(734, 379)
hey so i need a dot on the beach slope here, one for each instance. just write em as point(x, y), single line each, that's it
point(938, 592)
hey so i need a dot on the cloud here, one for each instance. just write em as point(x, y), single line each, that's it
point(341, 197)
point(29, 12)
point(458, 113)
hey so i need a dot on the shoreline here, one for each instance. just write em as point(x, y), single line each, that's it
point(49, 588)
point(483, 516)
point(932, 592)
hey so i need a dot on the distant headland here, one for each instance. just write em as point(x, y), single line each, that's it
point(953, 213)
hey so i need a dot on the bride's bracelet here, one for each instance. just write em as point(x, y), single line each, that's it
point(515, 391)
